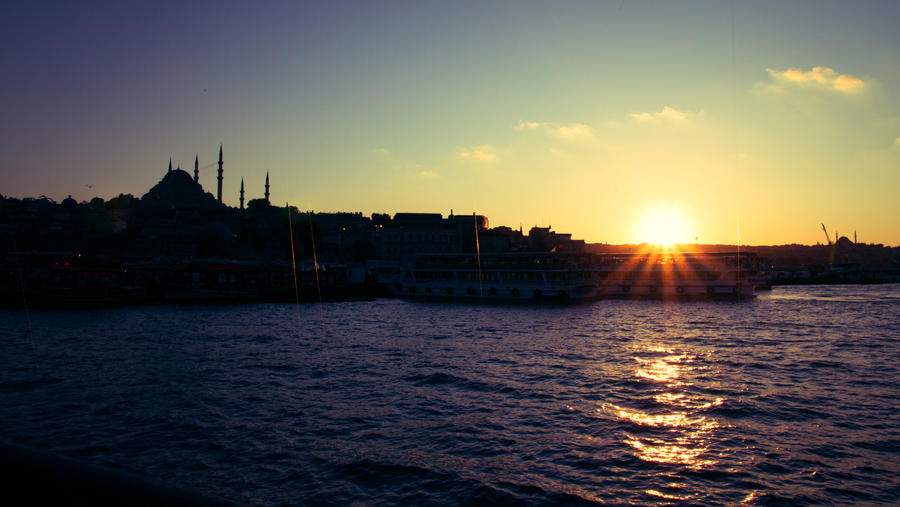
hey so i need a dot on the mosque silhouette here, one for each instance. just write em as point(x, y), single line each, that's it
point(178, 190)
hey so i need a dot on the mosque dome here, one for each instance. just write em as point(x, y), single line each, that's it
point(178, 190)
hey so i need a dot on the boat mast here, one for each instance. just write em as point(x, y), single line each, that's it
point(478, 257)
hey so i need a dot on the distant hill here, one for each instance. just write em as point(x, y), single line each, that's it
point(842, 252)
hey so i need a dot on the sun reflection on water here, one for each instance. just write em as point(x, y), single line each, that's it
point(680, 400)
point(676, 430)
point(667, 369)
point(661, 451)
point(667, 496)
point(683, 441)
point(673, 420)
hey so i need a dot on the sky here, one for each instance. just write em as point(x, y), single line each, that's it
point(740, 122)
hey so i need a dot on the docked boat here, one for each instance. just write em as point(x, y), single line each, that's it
point(202, 280)
point(677, 275)
point(63, 281)
point(573, 277)
point(538, 277)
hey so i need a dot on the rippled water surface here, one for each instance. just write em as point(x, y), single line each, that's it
point(792, 398)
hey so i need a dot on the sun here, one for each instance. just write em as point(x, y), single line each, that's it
point(664, 227)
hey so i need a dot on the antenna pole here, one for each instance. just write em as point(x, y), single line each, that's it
point(294, 264)
point(478, 257)
point(312, 238)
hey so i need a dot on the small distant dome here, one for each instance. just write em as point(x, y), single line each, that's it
point(68, 201)
point(844, 240)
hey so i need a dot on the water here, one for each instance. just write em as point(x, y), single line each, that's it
point(792, 398)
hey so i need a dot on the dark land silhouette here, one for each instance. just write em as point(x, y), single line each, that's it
point(178, 242)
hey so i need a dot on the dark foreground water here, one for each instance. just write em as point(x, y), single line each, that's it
point(792, 398)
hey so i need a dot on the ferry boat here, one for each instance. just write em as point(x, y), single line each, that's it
point(678, 275)
point(573, 277)
point(537, 277)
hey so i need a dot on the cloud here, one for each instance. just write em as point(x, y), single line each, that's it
point(897, 141)
point(848, 84)
point(642, 116)
point(575, 131)
point(483, 153)
point(530, 125)
point(667, 114)
point(429, 175)
point(381, 151)
point(818, 77)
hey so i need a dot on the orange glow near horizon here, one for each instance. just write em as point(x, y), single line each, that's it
point(664, 227)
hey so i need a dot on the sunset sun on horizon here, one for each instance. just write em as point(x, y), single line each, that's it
point(664, 227)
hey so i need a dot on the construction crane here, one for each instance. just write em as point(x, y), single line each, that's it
point(827, 238)
point(831, 245)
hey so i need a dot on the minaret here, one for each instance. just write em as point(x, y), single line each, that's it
point(197, 168)
point(267, 187)
point(170, 164)
point(220, 174)
point(242, 193)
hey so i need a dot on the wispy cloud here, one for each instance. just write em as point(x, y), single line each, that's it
point(429, 175)
point(483, 153)
point(575, 131)
point(381, 151)
point(531, 125)
point(572, 131)
point(818, 77)
point(667, 114)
